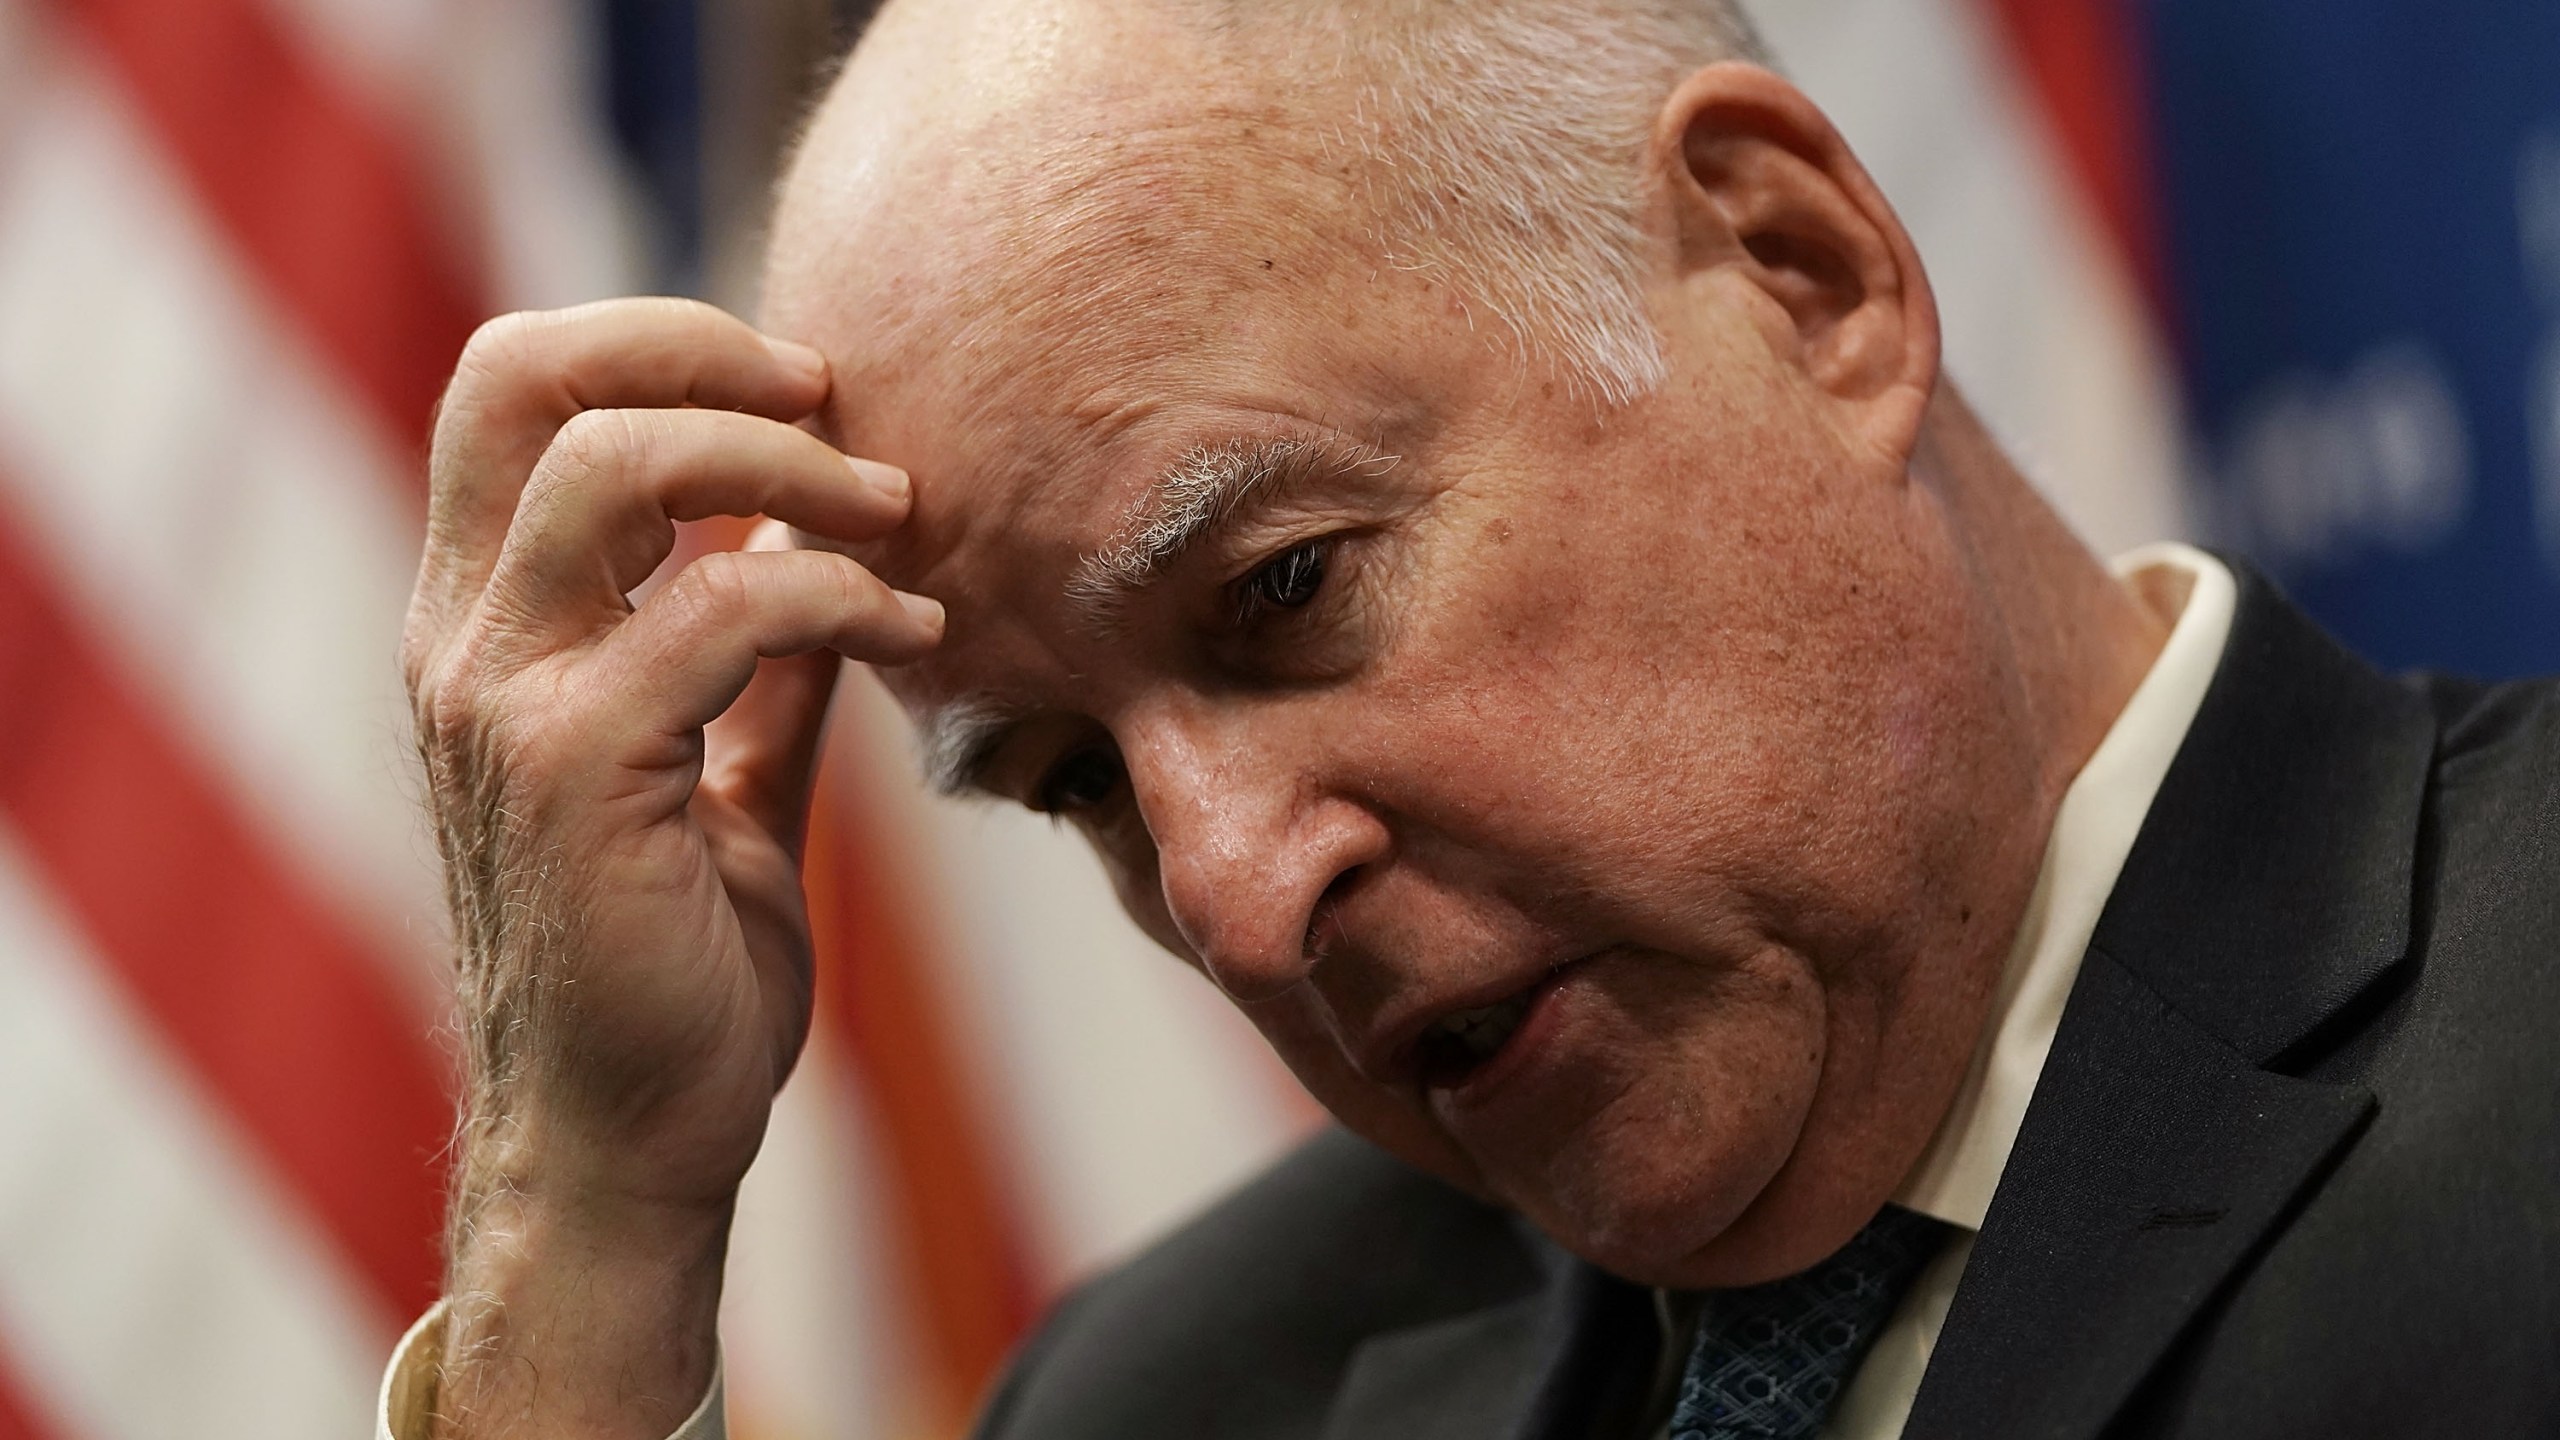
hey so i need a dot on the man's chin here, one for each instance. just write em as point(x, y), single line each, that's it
point(1651, 1224)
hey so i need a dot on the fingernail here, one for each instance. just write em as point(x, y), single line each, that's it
point(925, 610)
point(889, 480)
point(768, 535)
point(798, 356)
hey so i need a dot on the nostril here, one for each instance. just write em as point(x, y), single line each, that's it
point(1322, 931)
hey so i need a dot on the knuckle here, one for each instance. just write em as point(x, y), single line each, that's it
point(417, 654)
point(449, 701)
point(507, 358)
point(676, 309)
point(597, 441)
point(595, 452)
point(494, 362)
point(502, 344)
point(858, 594)
point(485, 732)
point(459, 683)
point(712, 593)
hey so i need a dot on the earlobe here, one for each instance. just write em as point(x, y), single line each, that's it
point(1761, 186)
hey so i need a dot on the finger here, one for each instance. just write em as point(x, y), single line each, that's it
point(522, 376)
point(691, 648)
point(600, 512)
point(762, 753)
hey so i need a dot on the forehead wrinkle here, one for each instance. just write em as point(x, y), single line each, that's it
point(1198, 494)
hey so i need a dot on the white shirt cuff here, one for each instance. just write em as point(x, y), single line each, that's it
point(409, 1389)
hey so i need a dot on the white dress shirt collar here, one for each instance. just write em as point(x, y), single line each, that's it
point(2093, 831)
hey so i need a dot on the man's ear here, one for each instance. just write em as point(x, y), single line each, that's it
point(1761, 186)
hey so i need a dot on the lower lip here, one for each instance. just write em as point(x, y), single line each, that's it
point(1521, 1051)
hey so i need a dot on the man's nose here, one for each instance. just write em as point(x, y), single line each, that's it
point(1251, 848)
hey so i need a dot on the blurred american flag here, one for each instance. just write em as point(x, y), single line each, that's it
point(241, 242)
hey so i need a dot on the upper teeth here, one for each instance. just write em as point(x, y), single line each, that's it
point(1483, 1029)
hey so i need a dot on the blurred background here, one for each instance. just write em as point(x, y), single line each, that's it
point(2282, 275)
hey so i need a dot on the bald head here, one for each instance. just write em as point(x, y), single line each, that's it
point(1499, 143)
point(1700, 694)
point(1495, 147)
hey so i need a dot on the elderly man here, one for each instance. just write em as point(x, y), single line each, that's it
point(1459, 504)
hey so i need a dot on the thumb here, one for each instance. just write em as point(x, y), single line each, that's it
point(762, 753)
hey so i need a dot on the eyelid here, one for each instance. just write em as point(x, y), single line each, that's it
point(1268, 526)
point(1247, 607)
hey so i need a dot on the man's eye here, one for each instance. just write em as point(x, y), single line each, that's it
point(1081, 781)
point(1289, 581)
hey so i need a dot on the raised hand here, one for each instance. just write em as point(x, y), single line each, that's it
point(620, 796)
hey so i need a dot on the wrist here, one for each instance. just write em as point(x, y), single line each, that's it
point(577, 1312)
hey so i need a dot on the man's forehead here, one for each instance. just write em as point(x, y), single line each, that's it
point(1035, 265)
point(948, 67)
point(963, 157)
point(1036, 389)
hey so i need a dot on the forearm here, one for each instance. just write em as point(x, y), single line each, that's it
point(573, 1316)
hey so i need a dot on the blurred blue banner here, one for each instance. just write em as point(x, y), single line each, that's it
point(2362, 200)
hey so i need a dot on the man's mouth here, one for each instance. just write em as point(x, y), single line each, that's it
point(1458, 1044)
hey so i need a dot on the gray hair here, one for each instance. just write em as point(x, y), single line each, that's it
point(1503, 142)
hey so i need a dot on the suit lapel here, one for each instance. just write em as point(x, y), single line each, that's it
point(2170, 1137)
point(1550, 1365)
point(2153, 1160)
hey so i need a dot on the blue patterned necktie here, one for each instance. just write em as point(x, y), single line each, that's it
point(1771, 1359)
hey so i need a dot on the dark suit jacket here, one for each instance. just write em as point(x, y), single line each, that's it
point(2293, 1168)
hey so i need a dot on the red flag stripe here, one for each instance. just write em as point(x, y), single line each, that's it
point(330, 209)
point(2084, 59)
point(279, 1011)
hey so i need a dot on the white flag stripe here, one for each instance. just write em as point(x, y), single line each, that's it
point(522, 127)
point(224, 518)
point(2044, 329)
point(387, 50)
point(154, 1284)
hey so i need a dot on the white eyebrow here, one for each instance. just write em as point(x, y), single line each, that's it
point(1197, 494)
point(954, 743)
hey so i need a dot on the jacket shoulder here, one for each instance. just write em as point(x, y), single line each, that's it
point(2493, 726)
point(2495, 805)
point(1242, 1322)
